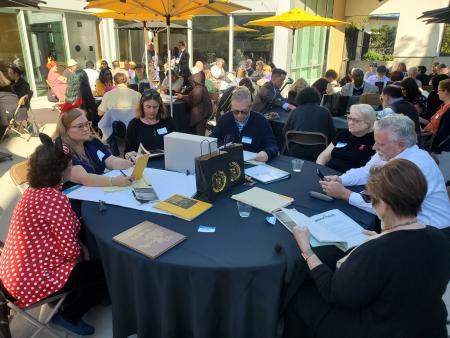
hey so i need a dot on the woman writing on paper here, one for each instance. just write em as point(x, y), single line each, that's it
point(149, 126)
point(389, 286)
point(90, 156)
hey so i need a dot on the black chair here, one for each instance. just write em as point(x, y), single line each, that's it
point(133, 86)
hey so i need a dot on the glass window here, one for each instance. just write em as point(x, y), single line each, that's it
point(257, 45)
point(131, 41)
point(11, 50)
point(209, 44)
point(45, 35)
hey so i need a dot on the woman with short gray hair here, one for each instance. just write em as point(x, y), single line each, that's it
point(352, 148)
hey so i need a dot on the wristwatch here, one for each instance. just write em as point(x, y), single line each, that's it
point(307, 254)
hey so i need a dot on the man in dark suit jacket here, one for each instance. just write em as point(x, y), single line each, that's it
point(183, 57)
point(247, 127)
point(269, 95)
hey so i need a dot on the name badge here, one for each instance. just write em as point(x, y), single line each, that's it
point(246, 140)
point(100, 155)
point(162, 131)
point(341, 145)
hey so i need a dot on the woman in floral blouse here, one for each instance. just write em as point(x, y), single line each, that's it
point(42, 254)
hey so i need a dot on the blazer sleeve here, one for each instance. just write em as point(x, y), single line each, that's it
point(356, 283)
point(131, 143)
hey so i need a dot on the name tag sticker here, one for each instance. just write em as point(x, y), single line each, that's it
point(162, 131)
point(100, 155)
point(341, 145)
point(246, 140)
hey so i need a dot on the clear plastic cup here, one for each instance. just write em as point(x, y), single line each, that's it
point(297, 165)
point(244, 209)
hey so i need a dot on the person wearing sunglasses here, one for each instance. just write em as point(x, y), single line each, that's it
point(149, 126)
point(90, 156)
point(245, 126)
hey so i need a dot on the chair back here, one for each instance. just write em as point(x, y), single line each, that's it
point(124, 115)
point(305, 138)
point(18, 173)
point(371, 98)
point(425, 140)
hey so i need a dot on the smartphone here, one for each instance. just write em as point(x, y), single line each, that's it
point(321, 176)
point(365, 196)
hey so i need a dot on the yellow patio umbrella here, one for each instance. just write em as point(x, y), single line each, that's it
point(167, 10)
point(236, 28)
point(295, 18)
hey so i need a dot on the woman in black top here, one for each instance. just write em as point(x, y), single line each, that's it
point(412, 94)
point(149, 126)
point(391, 286)
point(352, 148)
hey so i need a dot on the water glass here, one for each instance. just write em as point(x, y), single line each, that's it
point(244, 209)
point(297, 165)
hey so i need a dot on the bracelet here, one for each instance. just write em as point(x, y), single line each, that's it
point(110, 182)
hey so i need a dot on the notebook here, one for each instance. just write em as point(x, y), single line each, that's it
point(262, 199)
point(183, 207)
point(331, 227)
point(266, 174)
point(149, 239)
point(152, 153)
point(139, 166)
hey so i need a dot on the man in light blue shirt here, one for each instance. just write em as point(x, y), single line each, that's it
point(395, 137)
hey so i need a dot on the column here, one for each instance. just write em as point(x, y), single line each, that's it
point(190, 43)
point(230, 43)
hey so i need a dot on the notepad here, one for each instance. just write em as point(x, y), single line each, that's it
point(183, 207)
point(331, 227)
point(262, 199)
point(141, 164)
point(149, 239)
point(153, 153)
point(266, 174)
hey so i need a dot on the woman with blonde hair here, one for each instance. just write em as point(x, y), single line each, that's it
point(296, 87)
point(352, 148)
point(90, 156)
point(149, 126)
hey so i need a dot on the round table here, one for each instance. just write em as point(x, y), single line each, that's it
point(230, 283)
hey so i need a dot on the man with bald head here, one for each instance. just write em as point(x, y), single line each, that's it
point(358, 86)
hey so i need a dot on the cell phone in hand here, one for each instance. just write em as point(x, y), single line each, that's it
point(321, 176)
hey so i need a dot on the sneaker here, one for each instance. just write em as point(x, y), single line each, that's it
point(80, 328)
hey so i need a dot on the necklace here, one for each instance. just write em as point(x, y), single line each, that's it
point(399, 225)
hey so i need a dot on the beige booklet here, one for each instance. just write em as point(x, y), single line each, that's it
point(264, 200)
point(149, 239)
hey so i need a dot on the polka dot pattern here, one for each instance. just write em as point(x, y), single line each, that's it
point(41, 248)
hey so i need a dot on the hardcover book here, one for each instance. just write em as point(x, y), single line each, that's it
point(183, 207)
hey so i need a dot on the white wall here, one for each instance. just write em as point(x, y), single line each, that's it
point(84, 36)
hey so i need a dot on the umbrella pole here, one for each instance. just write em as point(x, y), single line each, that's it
point(169, 58)
point(146, 53)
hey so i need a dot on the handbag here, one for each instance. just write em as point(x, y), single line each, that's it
point(212, 174)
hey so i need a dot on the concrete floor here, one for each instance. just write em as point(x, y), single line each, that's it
point(100, 317)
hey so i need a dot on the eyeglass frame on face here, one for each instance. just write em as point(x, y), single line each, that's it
point(83, 125)
point(352, 119)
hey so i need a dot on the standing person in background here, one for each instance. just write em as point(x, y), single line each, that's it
point(322, 83)
point(57, 82)
point(72, 66)
point(183, 57)
point(92, 74)
point(199, 102)
point(104, 65)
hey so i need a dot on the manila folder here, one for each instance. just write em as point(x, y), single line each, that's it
point(264, 200)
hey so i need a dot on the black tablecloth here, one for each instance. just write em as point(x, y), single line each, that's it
point(231, 283)
point(180, 116)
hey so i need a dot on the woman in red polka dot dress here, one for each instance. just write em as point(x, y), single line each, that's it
point(42, 254)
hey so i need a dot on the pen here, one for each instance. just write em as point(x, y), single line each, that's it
point(123, 174)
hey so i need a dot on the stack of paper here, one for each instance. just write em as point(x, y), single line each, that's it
point(266, 174)
point(263, 199)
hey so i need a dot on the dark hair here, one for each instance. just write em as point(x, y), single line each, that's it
point(442, 66)
point(278, 72)
point(422, 69)
point(438, 78)
point(381, 69)
point(102, 75)
point(307, 95)
point(331, 73)
point(397, 76)
point(400, 184)
point(153, 95)
point(89, 64)
point(47, 163)
point(182, 43)
point(411, 88)
point(16, 70)
point(392, 91)
point(246, 82)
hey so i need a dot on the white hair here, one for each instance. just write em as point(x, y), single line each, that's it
point(241, 93)
point(368, 114)
point(402, 128)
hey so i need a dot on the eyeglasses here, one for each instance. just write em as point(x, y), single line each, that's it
point(352, 119)
point(83, 125)
point(242, 112)
point(151, 94)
